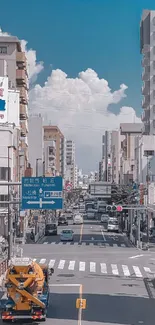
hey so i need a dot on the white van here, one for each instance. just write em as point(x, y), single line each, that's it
point(77, 219)
point(113, 225)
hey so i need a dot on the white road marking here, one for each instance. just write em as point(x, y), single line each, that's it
point(45, 242)
point(64, 285)
point(103, 268)
point(103, 235)
point(71, 265)
point(126, 270)
point(136, 256)
point(53, 243)
point(149, 273)
point(115, 245)
point(106, 244)
point(92, 267)
point(137, 271)
point(123, 245)
point(42, 261)
point(82, 266)
point(114, 269)
point(61, 264)
point(51, 263)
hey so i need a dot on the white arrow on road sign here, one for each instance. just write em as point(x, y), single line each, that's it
point(40, 202)
point(40, 190)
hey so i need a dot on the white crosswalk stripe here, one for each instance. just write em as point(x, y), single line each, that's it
point(114, 269)
point(71, 265)
point(82, 266)
point(137, 272)
point(61, 264)
point(93, 267)
point(126, 270)
point(103, 268)
point(84, 243)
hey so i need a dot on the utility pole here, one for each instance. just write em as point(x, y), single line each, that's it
point(147, 199)
point(9, 219)
point(37, 166)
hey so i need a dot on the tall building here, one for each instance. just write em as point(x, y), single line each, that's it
point(105, 163)
point(147, 48)
point(54, 142)
point(13, 65)
point(36, 144)
point(71, 172)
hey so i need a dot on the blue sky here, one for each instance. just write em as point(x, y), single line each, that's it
point(74, 35)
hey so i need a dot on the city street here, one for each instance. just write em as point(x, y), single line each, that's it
point(114, 279)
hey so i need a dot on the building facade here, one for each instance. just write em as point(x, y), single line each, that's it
point(13, 65)
point(36, 145)
point(71, 173)
point(55, 142)
point(147, 48)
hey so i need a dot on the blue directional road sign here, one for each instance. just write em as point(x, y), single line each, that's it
point(42, 193)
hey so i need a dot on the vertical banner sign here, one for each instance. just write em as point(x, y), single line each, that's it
point(3, 99)
point(141, 188)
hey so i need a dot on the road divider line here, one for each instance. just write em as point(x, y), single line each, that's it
point(103, 235)
point(136, 256)
point(92, 267)
point(80, 309)
point(64, 285)
point(71, 265)
point(61, 264)
point(81, 233)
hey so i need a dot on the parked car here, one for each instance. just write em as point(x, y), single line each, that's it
point(77, 219)
point(62, 221)
point(67, 235)
point(104, 218)
point(51, 229)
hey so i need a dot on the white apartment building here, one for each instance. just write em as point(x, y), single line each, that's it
point(147, 47)
point(116, 139)
point(127, 158)
point(71, 172)
point(36, 145)
point(106, 157)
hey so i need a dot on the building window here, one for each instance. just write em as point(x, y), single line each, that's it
point(4, 173)
point(3, 50)
point(3, 198)
point(132, 168)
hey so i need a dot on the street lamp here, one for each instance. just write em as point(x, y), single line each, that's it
point(9, 219)
point(38, 159)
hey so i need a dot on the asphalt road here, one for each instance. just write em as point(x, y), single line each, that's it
point(115, 279)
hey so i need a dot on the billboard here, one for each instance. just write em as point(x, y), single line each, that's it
point(3, 99)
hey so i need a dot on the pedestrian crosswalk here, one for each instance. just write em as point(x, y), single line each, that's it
point(87, 243)
point(98, 268)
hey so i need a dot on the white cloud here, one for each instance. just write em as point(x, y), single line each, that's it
point(79, 106)
point(34, 68)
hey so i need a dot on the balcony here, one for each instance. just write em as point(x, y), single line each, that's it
point(21, 77)
point(145, 115)
point(146, 49)
point(146, 129)
point(23, 95)
point(23, 142)
point(146, 88)
point(145, 62)
point(21, 59)
point(146, 101)
point(23, 112)
point(24, 128)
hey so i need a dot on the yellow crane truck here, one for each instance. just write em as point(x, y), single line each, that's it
point(27, 291)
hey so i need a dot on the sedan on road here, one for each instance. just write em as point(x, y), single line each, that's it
point(51, 229)
point(67, 235)
point(62, 221)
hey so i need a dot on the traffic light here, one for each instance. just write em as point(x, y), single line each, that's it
point(114, 208)
point(108, 208)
